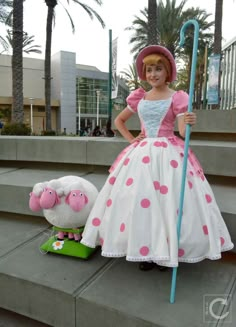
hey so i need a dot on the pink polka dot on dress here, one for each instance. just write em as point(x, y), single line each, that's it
point(205, 229)
point(146, 159)
point(190, 184)
point(157, 144)
point(181, 252)
point(156, 185)
point(109, 202)
point(222, 241)
point(177, 211)
point(174, 163)
point(126, 161)
point(143, 143)
point(112, 180)
point(145, 203)
point(164, 144)
point(122, 227)
point(208, 198)
point(144, 250)
point(96, 222)
point(129, 181)
point(163, 189)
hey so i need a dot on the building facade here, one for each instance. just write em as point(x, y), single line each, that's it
point(79, 94)
point(228, 77)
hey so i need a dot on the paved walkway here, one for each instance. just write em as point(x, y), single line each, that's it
point(101, 292)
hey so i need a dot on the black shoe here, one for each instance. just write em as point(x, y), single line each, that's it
point(145, 266)
point(162, 268)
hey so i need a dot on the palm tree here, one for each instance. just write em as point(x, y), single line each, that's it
point(5, 7)
point(152, 22)
point(132, 80)
point(170, 20)
point(51, 4)
point(131, 77)
point(218, 36)
point(28, 47)
point(139, 27)
point(205, 39)
point(218, 26)
point(17, 63)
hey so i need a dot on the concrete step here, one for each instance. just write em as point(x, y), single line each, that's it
point(64, 291)
point(217, 157)
point(17, 183)
point(12, 319)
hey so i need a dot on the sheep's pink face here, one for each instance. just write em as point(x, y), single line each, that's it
point(49, 198)
point(34, 202)
point(77, 200)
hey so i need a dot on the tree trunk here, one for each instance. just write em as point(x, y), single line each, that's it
point(218, 26)
point(152, 22)
point(218, 39)
point(17, 63)
point(47, 64)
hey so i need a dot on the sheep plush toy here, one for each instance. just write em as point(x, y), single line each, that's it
point(66, 203)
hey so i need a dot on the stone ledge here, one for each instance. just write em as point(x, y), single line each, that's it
point(216, 157)
point(208, 121)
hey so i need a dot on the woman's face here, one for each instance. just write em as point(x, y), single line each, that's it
point(156, 74)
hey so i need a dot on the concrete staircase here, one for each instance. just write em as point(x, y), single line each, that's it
point(64, 291)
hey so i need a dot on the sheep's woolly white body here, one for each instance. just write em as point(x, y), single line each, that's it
point(62, 213)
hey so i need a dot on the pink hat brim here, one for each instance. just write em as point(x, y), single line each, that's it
point(152, 49)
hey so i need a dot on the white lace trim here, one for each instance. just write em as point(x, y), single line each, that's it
point(162, 260)
point(87, 244)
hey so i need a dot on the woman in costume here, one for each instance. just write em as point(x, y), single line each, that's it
point(135, 214)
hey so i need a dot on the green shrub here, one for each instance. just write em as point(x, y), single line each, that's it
point(16, 129)
point(48, 133)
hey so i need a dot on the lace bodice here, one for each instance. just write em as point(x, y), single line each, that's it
point(151, 114)
point(157, 117)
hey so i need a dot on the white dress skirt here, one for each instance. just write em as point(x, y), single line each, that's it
point(135, 214)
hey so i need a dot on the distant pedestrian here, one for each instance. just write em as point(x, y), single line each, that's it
point(109, 131)
point(97, 131)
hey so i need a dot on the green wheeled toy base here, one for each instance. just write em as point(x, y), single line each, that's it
point(67, 247)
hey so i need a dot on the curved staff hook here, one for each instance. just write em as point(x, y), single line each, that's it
point(187, 136)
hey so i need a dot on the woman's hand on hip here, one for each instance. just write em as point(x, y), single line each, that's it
point(138, 138)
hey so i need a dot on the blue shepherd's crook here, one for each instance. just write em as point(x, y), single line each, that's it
point(187, 136)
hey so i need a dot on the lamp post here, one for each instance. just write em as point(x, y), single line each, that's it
point(31, 115)
point(79, 109)
point(98, 92)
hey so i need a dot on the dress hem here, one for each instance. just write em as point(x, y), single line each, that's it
point(162, 260)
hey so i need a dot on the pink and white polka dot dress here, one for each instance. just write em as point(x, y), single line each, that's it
point(135, 214)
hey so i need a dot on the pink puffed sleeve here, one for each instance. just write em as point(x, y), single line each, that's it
point(180, 103)
point(134, 98)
